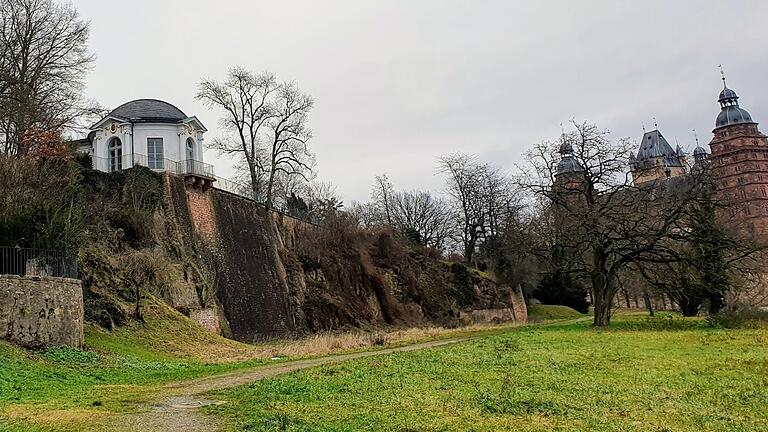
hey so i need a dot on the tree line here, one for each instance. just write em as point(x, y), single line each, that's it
point(581, 239)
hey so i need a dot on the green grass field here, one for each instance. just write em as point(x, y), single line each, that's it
point(664, 374)
point(540, 312)
point(64, 389)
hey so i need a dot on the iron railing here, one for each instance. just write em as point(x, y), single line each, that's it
point(184, 167)
point(37, 262)
point(131, 160)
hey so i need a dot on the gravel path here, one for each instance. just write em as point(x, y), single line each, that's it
point(176, 406)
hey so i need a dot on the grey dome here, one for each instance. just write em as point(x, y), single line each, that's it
point(569, 164)
point(699, 151)
point(730, 112)
point(732, 115)
point(149, 110)
point(727, 94)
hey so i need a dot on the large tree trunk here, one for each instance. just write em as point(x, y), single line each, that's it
point(602, 293)
point(469, 248)
point(602, 311)
point(603, 288)
point(648, 303)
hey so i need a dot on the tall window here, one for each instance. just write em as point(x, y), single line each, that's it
point(190, 149)
point(190, 155)
point(115, 155)
point(155, 157)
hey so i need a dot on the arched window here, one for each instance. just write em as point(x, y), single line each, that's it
point(190, 155)
point(115, 155)
point(190, 149)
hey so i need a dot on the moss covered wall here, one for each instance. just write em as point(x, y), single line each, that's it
point(251, 279)
point(273, 276)
point(234, 240)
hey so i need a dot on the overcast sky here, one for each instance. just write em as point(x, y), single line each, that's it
point(399, 82)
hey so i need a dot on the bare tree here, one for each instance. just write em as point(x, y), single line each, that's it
point(466, 187)
point(288, 135)
point(44, 58)
point(602, 222)
point(421, 214)
point(245, 99)
point(366, 214)
point(381, 196)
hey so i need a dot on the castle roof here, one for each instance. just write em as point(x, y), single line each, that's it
point(730, 111)
point(149, 110)
point(653, 146)
point(568, 163)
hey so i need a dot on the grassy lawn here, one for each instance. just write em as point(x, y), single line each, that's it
point(665, 374)
point(63, 389)
point(540, 312)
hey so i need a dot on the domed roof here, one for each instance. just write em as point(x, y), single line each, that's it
point(732, 115)
point(569, 164)
point(730, 111)
point(699, 151)
point(149, 110)
point(727, 94)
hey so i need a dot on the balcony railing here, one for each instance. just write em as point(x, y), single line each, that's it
point(184, 167)
point(37, 262)
point(126, 161)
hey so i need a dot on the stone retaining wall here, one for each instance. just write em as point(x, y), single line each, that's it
point(41, 311)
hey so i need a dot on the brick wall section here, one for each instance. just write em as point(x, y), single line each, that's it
point(41, 311)
point(739, 162)
point(207, 319)
point(203, 216)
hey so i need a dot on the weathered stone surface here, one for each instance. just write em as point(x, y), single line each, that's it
point(249, 275)
point(488, 316)
point(519, 309)
point(41, 311)
point(206, 318)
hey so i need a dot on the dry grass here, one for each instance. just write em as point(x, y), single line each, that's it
point(189, 341)
point(51, 417)
point(333, 342)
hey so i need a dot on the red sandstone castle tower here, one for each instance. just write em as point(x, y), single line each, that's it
point(739, 163)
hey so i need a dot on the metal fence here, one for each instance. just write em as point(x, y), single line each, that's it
point(37, 262)
point(185, 167)
point(131, 160)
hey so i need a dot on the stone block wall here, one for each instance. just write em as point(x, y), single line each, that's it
point(41, 311)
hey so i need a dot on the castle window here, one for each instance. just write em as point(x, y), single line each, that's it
point(115, 155)
point(155, 156)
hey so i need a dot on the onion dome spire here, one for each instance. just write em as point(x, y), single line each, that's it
point(699, 153)
point(730, 112)
point(568, 163)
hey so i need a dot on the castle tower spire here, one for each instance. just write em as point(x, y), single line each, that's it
point(730, 111)
point(738, 165)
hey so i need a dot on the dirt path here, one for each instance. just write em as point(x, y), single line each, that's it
point(177, 404)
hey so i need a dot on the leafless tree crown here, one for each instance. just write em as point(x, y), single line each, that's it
point(44, 59)
point(265, 125)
